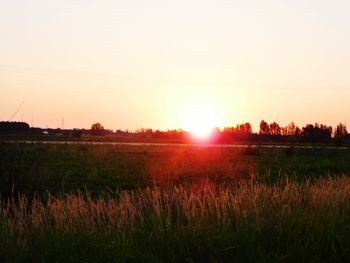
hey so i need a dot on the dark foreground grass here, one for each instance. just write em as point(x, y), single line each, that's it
point(205, 222)
point(105, 203)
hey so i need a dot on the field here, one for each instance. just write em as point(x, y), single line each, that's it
point(124, 203)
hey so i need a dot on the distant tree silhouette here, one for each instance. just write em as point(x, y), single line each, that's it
point(246, 128)
point(264, 128)
point(13, 127)
point(275, 129)
point(340, 131)
point(97, 129)
point(77, 133)
point(291, 129)
point(240, 129)
point(284, 131)
point(317, 133)
point(144, 131)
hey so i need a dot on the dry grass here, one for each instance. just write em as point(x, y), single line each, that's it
point(247, 221)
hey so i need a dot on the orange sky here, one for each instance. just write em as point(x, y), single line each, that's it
point(133, 64)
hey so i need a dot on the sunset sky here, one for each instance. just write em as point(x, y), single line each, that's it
point(136, 63)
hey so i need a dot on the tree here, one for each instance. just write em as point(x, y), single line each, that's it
point(244, 128)
point(76, 133)
point(264, 128)
point(318, 133)
point(13, 127)
point(248, 128)
point(340, 131)
point(275, 129)
point(97, 129)
point(291, 129)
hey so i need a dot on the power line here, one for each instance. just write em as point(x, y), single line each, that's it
point(15, 113)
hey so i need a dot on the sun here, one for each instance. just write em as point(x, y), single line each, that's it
point(200, 120)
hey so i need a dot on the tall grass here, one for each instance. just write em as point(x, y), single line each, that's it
point(203, 222)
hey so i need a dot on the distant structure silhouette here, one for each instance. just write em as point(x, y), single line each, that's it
point(97, 129)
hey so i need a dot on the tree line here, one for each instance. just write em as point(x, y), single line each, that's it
point(14, 126)
point(310, 133)
point(268, 132)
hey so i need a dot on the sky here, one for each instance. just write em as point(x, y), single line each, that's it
point(133, 64)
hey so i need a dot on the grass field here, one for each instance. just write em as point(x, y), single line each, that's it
point(105, 203)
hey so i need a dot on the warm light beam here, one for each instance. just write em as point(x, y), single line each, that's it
point(200, 121)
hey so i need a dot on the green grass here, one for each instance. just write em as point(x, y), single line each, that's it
point(105, 203)
point(39, 168)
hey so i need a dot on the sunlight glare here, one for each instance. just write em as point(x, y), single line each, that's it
point(200, 121)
